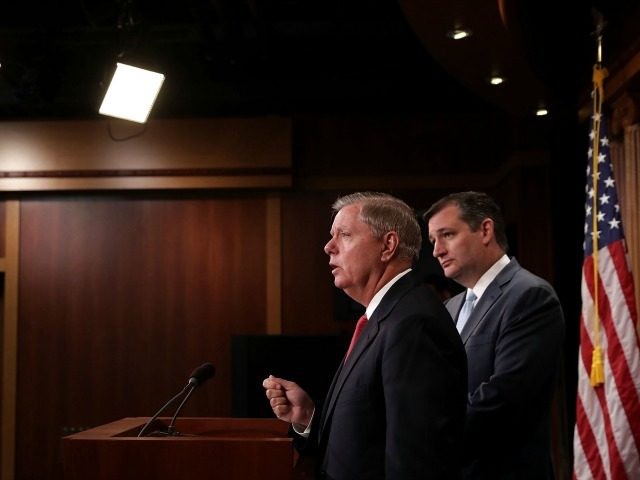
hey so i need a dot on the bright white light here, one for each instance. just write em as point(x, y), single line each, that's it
point(131, 93)
point(459, 34)
point(541, 112)
point(496, 80)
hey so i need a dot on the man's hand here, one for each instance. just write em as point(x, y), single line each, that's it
point(289, 402)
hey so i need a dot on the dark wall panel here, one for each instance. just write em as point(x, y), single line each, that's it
point(307, 281)
point(309, 360)
point(119, 300)
point(3, 214)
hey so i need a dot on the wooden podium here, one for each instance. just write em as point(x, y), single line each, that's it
point(207, 448)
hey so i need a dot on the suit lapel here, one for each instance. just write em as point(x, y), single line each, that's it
point(454, 305)
point(491, 294)
point(489, 297)
point(367, 336)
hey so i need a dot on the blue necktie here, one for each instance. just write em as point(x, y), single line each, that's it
point(466, 310)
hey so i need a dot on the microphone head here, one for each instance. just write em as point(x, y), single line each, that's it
point(201, 374)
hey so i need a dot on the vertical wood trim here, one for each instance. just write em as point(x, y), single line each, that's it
point(631, 217)
point(274, 264)
point(10, 341)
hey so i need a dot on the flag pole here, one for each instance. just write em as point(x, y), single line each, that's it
point(599, 74)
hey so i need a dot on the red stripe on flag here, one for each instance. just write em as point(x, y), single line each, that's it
point(616, 465)
point(617, 251)
point(617, 358)
point(588, 441)
point(615, 460)
point(607, 432)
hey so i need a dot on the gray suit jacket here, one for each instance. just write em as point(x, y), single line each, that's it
point(513, 341)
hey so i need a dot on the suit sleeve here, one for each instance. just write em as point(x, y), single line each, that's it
point(523, 360)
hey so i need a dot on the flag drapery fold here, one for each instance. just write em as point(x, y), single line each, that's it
point(606, 443)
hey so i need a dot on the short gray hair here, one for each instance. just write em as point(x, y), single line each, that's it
point(384, 213)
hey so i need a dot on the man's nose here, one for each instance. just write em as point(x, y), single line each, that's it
point(328, 247)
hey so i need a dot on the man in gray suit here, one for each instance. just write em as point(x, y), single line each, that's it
point(396, 407)
point(513, 337)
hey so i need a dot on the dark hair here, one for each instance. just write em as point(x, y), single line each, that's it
point(384, 213)
point(474, 208)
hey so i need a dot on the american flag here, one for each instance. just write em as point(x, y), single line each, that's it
point(606, 442)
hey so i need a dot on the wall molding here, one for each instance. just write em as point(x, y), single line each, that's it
point(167, 154)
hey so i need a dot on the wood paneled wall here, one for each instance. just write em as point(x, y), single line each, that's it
point(123, 293)
point(9, 334)
point(307, 280)
point(167, 154)
point(120, 299)
point(3, 221)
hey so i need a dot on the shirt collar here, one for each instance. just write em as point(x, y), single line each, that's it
point(377, 298)
point(490, 275)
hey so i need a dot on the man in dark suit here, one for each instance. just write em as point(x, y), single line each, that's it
point(513, 338)
point(395, 408)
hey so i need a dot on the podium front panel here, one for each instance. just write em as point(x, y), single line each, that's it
point(207, 448)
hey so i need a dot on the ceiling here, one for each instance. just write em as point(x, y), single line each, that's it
point(255, 57)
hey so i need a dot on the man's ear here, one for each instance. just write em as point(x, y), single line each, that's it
point(390, 243)
point(486, 228)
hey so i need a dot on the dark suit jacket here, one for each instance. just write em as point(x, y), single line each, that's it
point(513, 341)
point(395, 409)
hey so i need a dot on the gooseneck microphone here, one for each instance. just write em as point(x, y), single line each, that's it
point(200, 375)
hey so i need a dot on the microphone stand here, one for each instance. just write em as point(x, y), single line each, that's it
point(198, 376)
point(173, 399)
point(171, 428)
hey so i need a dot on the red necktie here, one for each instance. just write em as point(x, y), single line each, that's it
point(362, 322)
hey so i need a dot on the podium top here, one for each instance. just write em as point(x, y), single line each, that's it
point(225, 428)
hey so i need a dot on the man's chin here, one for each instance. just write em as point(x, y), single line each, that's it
point(450, 273)
point(340, 283)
